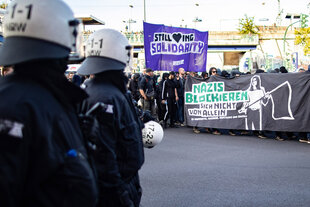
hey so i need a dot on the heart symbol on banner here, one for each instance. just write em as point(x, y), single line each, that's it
point(177, 37)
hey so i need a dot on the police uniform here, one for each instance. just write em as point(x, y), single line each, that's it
point(43, 157)
point(119, 153)
point(120, 149)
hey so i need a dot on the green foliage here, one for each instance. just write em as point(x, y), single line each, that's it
point(247, 26)
point(302, 37)
point(3, 5)
point(304, 20)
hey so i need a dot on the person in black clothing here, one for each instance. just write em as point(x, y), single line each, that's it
point(134, 87)
point(180, 80)
point(147, 88)
point(43, 156)
point(170, 97)
point(204, 75)
point(161, 106)
point(283, 70)
point(212, 71)
point(120, 152)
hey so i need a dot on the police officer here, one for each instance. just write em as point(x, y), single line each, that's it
point(119, 153)
point(43, 161)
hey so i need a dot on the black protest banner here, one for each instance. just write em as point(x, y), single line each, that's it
point(265, 101)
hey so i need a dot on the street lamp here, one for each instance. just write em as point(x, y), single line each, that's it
point(196, 18)
point(130, 20)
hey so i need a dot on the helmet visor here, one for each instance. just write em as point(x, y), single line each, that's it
point(95, 64)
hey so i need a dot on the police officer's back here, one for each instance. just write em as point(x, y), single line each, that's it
point(43, 161)
point(119, 153)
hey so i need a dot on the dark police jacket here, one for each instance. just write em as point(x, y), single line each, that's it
point(120, 149)
point(43, 161)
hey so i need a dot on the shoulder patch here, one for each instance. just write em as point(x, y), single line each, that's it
point(109, 109)
point(11, 128)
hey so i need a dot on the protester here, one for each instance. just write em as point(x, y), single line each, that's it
point(147, 88)
point(225, 74)
point(204, 75)
point(162, 106)
point(302, 137)
point(212, 71)
point(134, 86)
point(70, 76)
point(300, 70)
point(6, 70)
point(77, 80)
point(283, 70)
point(170, 97)
point(43, 158)
point(119, 141)
point(142, 75)
point(180, 80)
point(235, 73)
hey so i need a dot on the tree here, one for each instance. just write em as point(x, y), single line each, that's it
point(302, 37)
point(3, 5)
point(247, 26)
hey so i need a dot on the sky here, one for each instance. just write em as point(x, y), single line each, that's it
point(215, 15)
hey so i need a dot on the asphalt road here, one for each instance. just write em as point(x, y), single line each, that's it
point(202, 170)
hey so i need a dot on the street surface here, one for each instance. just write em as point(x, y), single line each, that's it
point(205, 170)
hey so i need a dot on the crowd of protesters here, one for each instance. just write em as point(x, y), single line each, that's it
point(281, 136)
point(163, 96)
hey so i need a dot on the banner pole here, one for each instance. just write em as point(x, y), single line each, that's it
point(144, 9)
point(273, 90)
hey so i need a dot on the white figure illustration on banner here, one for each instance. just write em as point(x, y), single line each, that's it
point(258, 97)
point(253, 108)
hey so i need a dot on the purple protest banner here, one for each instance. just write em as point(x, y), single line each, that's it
point(171, 48)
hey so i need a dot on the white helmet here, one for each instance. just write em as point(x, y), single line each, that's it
point(152, 134)
point(37, 29)
point(106, 49)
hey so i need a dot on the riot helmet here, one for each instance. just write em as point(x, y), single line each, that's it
point(106, 49)
point(152, 134)
point(38, 29)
